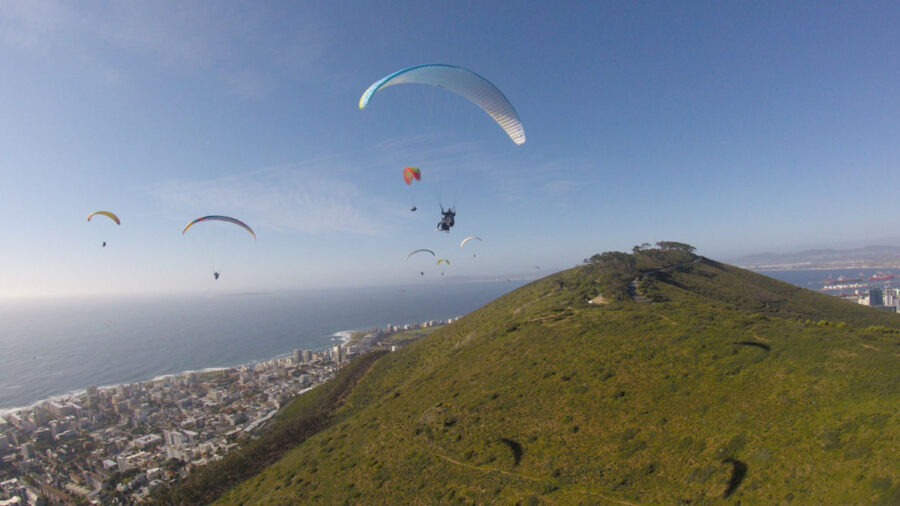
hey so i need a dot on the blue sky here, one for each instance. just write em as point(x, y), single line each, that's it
point(736, 127)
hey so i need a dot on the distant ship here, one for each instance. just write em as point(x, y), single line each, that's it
point(840, 279)
point(882, 276)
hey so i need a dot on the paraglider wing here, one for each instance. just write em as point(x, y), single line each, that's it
point(420, 251)
point(411, 173)
point(443, 260)
point(107, 214)
point(220, 218)
point(467, 239)
point(464, 83)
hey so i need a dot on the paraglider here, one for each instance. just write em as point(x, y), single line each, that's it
point(107, 214)
point(421, 273)
point(226, 219)
point(411, 173)
point(443, 260)
point(220, 218)
point(411, 253)
point(464, 83)
point(467, 239)
point(447, 219)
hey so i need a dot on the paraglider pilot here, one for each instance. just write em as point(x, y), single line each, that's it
point(447, 219)
point(216, 274)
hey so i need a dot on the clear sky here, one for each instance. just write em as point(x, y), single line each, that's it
point(738, 127)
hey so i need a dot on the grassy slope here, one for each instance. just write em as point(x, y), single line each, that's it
point(542, 398)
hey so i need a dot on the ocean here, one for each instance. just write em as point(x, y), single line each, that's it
point(52, 347)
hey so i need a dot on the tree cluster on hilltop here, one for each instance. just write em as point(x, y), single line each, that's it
point(621, 268)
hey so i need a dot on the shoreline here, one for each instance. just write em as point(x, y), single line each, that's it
point(344, 336)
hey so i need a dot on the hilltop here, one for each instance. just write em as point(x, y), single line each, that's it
point(693, 382)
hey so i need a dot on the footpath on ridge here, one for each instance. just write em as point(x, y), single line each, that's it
point(633, 286)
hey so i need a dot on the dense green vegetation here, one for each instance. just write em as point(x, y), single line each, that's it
point(406, 336)
point(697, 382)
point(303, 417)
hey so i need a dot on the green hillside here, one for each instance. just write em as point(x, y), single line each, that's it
point(692, 382)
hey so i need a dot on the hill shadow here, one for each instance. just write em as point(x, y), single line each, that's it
point(738, 472)
point(515, 447)
point(754, 343)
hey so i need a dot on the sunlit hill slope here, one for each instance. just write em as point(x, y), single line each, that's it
point(689, 382)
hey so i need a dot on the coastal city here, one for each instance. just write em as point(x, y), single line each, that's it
point(117, 445)
point(878, 290)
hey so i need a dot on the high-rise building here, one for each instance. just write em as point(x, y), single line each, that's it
point(875, 297)
point(28, 451)
point(39, 416)
point(890, 297)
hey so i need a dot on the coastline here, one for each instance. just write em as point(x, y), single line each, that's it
point(343, 335)
point(59, 356)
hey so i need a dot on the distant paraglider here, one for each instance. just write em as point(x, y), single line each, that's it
point(410, 174)
point(467, 239)
point(220, 218)
point(107, 214)
point(448, 219)
point(411, 253)
point(464, 83)
point(226, 219)
point(443, 260)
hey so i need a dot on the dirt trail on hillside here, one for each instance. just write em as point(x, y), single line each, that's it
point(633, 286)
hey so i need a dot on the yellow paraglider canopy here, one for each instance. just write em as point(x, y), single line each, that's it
point(107, 214)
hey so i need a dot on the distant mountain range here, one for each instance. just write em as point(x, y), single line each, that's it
point(866, 257)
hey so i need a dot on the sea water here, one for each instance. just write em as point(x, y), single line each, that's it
point(50, 347)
